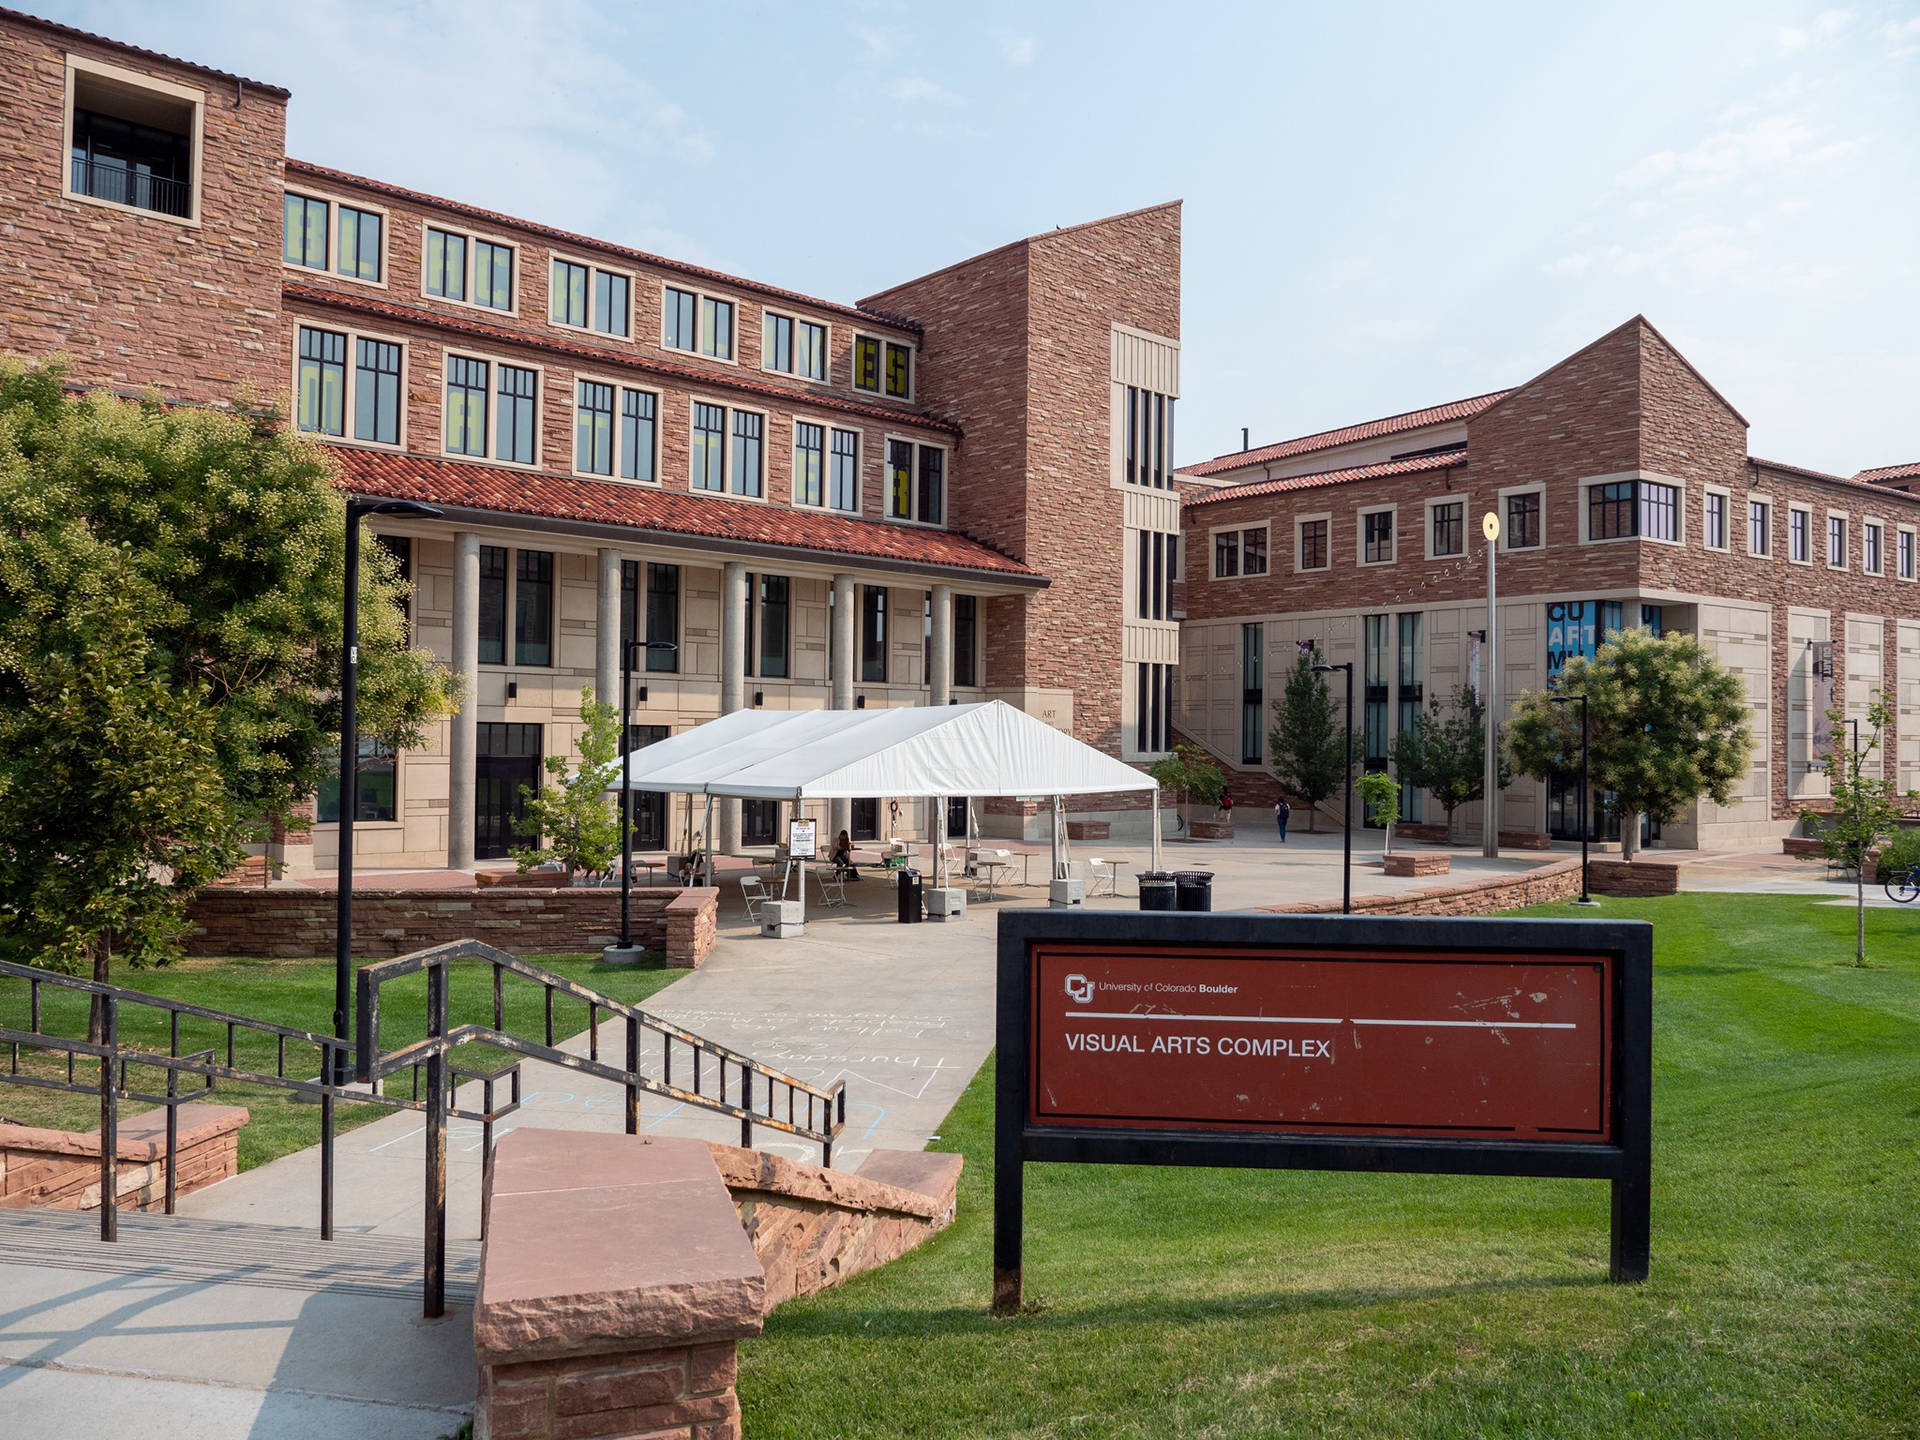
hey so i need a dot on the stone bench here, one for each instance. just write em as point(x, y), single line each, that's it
point(1405, 865)
point(60, 1169)
point(1089, 829)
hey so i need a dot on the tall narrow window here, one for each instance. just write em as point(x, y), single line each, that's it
point(933, 485)
point(1162, 412)
point(1226, 554)
point(492, 275)
point(358, 251)
point(809, 350)
point(1143, 567)
point(1906, 557)
point(809, 462)
point(900, 479)
point(1252, 694)
point(305, 240)
point(322, 405)
point(446, 264)
point(493, 605)
point(773, 626)
point(593, 429)
point(1253, 551)
point(1379, 641)
point(1133, 439)
point(568, 302)
point(1409, 693)
point(746, 649)
point(629, 602)
point(663, 618)
point(899, 371)
point(776, 343)
point(1759, 528)
point(610, 305)
point(1870, 556)
point(866, 363)
point(466, 406)
point(716, 328)
point(1377, 537)
point(401, 548)
point(709, 447)
point(376, 392)
point(845, 491)
point(516, 414)
point(1836, 542)
point(1162, 551)
point(1800, 536)
point(748, 470)
point(873, 633)
point(637, 434)
point(1523, 521)
point(679, 326)
point(966, 639)
point(533, 608)
point(1714, 516)
point(1313, 544)
point(1449, 529)
point(1659, 511)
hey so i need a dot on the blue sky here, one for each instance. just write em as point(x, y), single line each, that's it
point(1387, 206)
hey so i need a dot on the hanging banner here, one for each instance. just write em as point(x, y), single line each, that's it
point(1474, 641)
point(1820, 698)
point(1573, 629)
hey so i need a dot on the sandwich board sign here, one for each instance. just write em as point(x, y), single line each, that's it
point(1324, 1042)
point(800, 839)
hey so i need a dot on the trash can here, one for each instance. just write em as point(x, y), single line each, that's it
point(1193, 890)
point(912, 910)
point(1156, 889)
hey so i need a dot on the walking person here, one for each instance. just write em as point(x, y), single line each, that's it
point(1282, 812)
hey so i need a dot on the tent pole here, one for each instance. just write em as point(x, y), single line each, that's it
point(1156, 828)
point(939, 828)
point(799, 812)
point(707, 837)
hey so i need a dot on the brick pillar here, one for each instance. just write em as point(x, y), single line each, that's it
point(290, 847)
point(733, 665)
point(606, 632)
point(840, 651)
point(463, 729)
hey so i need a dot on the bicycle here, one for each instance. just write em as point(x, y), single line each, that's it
point(1903, 886)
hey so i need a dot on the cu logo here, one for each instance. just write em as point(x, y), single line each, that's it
point(1079, 989)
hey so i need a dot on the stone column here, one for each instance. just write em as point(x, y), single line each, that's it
point(463, 732)
point(606, 632)
point(939, 679)
point(840, 812)
point(733, 664)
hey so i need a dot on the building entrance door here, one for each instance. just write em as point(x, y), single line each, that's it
point(649, 806)
point(957, 817)
point(759, 821)
point(508, 758)
point(866, 820)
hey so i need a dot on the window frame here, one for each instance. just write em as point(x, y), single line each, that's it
point(620, 433)
point(826, 429)
point(1707, 492)
point(1794, 509)
point(1360, 517)
point(1638, 480)
point(1265, 527)
point(1911, 537)
point(585, 377)
point(331, 229)
point(726, 444)
point(700, 298)
point(354, 334)
point(1846, 539)
point(1433, 503)
point(767, 315)
point(1765, 501)
point(1300, 523)
point(1504, 509)
point(1214, 572)
point(913, 517)
point(1878, 526)
point(115, 75)
point(879, 390)
point(766, 476)
point(594, 269)
point(488, 432)
point(473, 239)
point(859, 469)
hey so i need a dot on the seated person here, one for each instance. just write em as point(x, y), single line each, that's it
point(842, 857)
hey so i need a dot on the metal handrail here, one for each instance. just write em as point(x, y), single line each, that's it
point(120, 183)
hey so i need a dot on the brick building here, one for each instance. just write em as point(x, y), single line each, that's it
point(1626, 497)
point(940, 493)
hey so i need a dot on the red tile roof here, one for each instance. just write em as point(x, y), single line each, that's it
point(1856, 482)
point(546, 495)
point(865, 314)
point(1413, 465)
point(1367, 430)
point(628, 358)
point(1885, 474)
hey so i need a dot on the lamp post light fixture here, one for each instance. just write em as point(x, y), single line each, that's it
point(625, 951)
point(1585, 897)
point(1346, 723)
point(350, 767)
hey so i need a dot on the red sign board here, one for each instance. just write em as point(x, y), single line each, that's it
point(1304, 1041)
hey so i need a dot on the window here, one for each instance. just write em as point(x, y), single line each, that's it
point(1252, 696)
point(131, 140)
point(593, 429)
point(1313, 544)
point(1625, 509)
point(966, 639)
point(809, 462)
point(844, 491)
point(1659, 511)
point(663, 617)
point(866, 363)
point(716, 327)
point(466, 407)
point(709, 447)
point(1253, 551)
point(533, 608)
point(517, 415)
point(1408, 694)
point(376, 391)
point(1448, 529)
point(1153, 563)
point(873, 633)
point(612, 311)
point(1759, 528)
point(1374, 707)
point(1714, 516)
point(933, 485)
point(926, 501)
point(567, 304)
point(1799, 535)
point(1376, 537)
point(1871, 558)
point(400, 547)
point(899, 371)
point(305, 240)
point(639, 434)
point(1148, 452)
point(677, 320)
point(1226, 554)
point(794, 347)
point(327, 390)
point(629, 602)
point(1905, 557)
point(1836, 542)
point(1610, 510)
point(1523, 521)
point(776, 342)
point(748, 462)
point(493, 605)
point(493, 275)
point(1153, 708)
point(321, 384)
point(774, 611)
point(445, 266)
point(358, 253)
point(374, 786)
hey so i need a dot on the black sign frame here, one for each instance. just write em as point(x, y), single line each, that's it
point(1626, 1162)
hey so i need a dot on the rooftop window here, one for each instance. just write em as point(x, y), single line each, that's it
point(131, 145)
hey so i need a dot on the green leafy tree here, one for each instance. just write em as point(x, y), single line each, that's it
point(1190, 775)
point(1866, 808)
point(1444, 753)
point(170, 621)
point(578, 813)
point(1667, 725)
point(1379, 793)
point(1308, 742)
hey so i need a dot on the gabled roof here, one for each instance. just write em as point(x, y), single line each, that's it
point(1648, 326)
point(743, 526)
point(1845, 482)
point(1886, 474)
point(72, 32)
point(1366, 430)
point(1412, 465)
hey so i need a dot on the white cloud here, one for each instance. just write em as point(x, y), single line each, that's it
point(1829, 23)
point(1790, 40)
point(918, 89)
point(876, 44)
point(1764, 147)
point(1570, 267)
point(1018, 49)
point(1903, 38)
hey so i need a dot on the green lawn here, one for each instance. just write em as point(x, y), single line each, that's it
point(296, 993)
point(1784, 1298)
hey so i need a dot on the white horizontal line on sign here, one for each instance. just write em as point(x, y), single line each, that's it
point(1169, 1015)
point(1481, 1024)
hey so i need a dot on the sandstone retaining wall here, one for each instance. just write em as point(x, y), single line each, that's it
point(60, 1169)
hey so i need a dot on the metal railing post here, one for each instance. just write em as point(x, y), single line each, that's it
point(173, 1110)
point(746, 1103)
point(434, 1303)
point(109, 1120)
point(633, 1074)
point(327, 1073)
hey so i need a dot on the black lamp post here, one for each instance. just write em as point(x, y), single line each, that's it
point(627, 647)
point(1585, 898)
point(1346, 722)
point(350, 769)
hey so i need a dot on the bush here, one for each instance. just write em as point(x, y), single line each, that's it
point(1902, 852)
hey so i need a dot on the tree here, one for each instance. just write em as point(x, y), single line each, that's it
point(1866, 808)
point(1189, 774)
point(1379, 793)
point(1667, 725)
point(1445, 753)
point(170, 624)
point(577, 812)
point(1308, 741)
